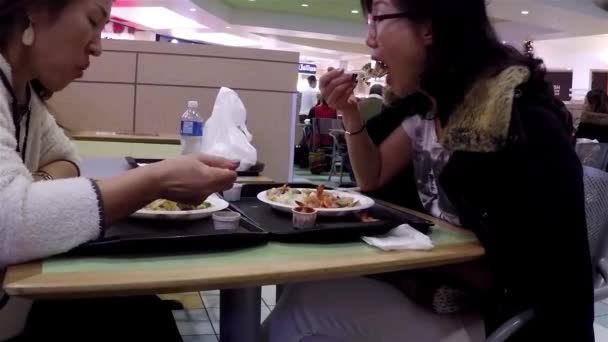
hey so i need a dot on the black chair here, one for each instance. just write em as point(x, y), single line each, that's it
point(593, 155)
point(596, 209)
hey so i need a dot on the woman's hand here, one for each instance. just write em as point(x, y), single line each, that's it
point(187, 179)
point(191, 179)
point(337, 90)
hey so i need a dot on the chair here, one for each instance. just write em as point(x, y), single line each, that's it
point(593, 154)
point(337, 155)
point(322, 127)
point(323, 141)
point(596, 210)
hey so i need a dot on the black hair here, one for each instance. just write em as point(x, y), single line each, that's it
point(598, 101)
point(312, 79)
point(14, 19)
point(376, 89)
point(465, 47)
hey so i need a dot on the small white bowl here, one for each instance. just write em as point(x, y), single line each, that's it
point(304, 218)
point(234, 194)
point(226, 220)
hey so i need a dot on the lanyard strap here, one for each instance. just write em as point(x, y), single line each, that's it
point(18, 113)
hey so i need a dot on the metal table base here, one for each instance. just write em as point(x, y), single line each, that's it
point(240, 314)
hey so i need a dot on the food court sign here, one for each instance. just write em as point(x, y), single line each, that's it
point(307, 69)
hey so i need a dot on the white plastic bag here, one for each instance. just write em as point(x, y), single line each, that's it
point(225, 134)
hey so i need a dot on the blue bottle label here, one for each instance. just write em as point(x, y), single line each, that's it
point(192, 128)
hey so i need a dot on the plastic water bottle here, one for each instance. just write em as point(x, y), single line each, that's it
point(192, 129)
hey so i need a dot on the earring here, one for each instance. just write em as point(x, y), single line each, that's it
point(28, 36)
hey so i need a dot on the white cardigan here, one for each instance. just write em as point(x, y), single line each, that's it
point(43, 218)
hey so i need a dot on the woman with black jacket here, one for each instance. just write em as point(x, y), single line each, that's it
point(493, 154)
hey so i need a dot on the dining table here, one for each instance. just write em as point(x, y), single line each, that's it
point(237, 273)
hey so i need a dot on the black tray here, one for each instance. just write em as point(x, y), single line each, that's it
point(136, 236)
point(254, 171)
point(328, 229)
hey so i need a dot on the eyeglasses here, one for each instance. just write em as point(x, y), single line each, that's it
point(373, 20)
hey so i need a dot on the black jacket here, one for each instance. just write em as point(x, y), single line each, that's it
point(516, 181)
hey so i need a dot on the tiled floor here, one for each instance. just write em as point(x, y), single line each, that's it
point(200, 322)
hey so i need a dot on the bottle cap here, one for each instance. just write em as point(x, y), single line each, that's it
point(192, 104)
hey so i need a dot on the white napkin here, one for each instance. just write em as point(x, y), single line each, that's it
point(401, 238)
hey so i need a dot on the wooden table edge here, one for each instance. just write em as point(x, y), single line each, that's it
point(255, 180)
point(33, 285)
point(15, 274)
point(126, 138)
point(20, 280)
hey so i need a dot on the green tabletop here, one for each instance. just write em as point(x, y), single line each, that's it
point(266, 253)
point(273, 263)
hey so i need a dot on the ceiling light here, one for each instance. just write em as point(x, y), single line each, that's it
point(159, 18)
point(525, 12)
point(354, 11)
point(251, 0)
point(218, 38)
point(193, 9)
point(304, 5)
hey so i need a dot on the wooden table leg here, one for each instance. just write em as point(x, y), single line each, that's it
point(240, 314)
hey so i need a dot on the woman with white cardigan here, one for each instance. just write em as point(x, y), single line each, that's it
point(46, 208)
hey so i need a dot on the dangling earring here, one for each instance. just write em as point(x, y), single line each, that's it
point(28, 36)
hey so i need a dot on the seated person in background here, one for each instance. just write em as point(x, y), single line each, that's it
point(372, 106)
point(594, 120)
point(322, 111)
point(492, 154)
point(45, 207)
point(596, 101)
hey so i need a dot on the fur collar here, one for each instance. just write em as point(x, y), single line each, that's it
point(598, 119)
point(481, 122)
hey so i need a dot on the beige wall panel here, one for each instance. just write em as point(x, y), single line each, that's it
point(217, 72)
point(112, 67)
point(159, 108)
point(268, 118)
point(95, 107)
point(201, 50)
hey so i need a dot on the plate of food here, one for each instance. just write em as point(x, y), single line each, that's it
point(168, 210)
point(326, 202)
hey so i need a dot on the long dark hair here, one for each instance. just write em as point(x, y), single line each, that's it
point(14, 19)
point(598, 101)
point(465, 47)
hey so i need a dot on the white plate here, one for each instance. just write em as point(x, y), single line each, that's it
point(364, 203)
point(217, 204)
